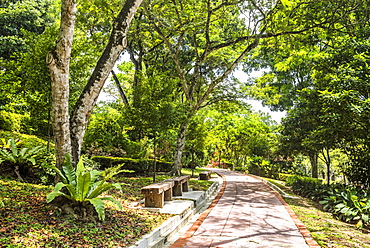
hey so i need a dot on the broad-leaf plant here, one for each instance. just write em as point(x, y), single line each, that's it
point(82, 186)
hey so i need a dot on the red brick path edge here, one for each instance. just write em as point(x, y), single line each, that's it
point(301, 227)
point(189, 233)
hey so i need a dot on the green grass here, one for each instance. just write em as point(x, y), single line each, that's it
point(324, 228)
point(186, 171)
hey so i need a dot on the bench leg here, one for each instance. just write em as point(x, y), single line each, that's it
point(185, 187)
point(177, 190)
point(168, 195)
point(154, 200)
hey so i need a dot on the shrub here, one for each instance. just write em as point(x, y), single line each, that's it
point(306, 186)
point(84, 188)
point(10, 121)
point(260, 167)
point(20, 158)
point(36, 173)
point(348, 203)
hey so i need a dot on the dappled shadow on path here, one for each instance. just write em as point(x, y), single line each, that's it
point(247, 215)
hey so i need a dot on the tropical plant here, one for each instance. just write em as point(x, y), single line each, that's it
point(19, 157)
point(83, 189)
point(348, 204)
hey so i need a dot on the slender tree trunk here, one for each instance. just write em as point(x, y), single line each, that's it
point(155, 158)
point(313, 159)
point(86, 102)
point(180, 146)
point(328, 164)
point(120, 90)
point(58, 61)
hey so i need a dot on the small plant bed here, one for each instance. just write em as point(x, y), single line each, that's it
point(325, 229)
point(28, 221)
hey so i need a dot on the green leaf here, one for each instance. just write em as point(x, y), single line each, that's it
point(359, 224)
point(94, 175)
point(50, 197)
point(344, 210)
point(365, 217)
point(119, 205)
point(32, 160)
point(83, 186)
point(100, 189)
point(80, 168)
point(59, 172)
point(13, 146)
point(72, 191)
point(340, 206)
point(68, 170)
point(56, 192)
point(99, 207)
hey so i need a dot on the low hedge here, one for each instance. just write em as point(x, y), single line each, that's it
point(306, 186)
point(242, 169)
point(137, 165)
point(284, 176)
point(23, 124)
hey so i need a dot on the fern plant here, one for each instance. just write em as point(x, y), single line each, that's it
point(19, 157)
point(85, 186)
point(13, 154)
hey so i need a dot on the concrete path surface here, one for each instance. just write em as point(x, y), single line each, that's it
point(246, 214)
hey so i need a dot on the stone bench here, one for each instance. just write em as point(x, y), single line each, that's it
point(181, 184)
point(205, 175)
point(155, 194)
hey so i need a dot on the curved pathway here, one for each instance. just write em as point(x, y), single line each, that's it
point(246, 213)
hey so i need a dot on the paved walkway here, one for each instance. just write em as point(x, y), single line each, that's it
point(246, 213)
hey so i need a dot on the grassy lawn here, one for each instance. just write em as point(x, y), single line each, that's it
point(324, 228)
point(28, 221)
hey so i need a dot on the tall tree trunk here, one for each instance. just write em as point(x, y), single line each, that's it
point(68, 132)
point(313, 159)
point(86, 102)
point(58, 61)
point(180, 146)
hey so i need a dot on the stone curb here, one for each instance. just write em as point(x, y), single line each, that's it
point(168, 230)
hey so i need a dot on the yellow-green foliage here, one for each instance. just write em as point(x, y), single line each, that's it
point(10, 121)
point(28, 141)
